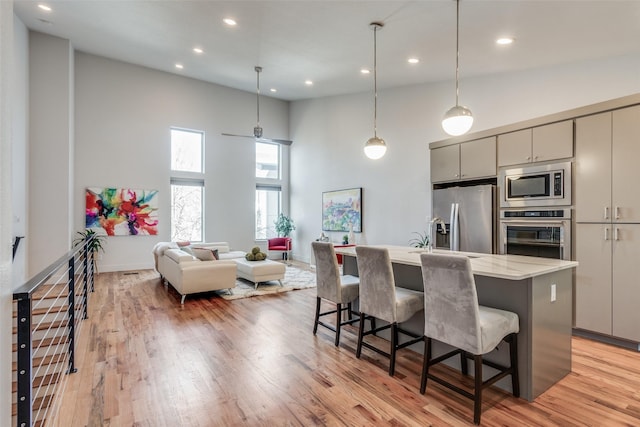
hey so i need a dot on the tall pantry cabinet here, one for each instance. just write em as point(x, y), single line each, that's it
point(607, 213)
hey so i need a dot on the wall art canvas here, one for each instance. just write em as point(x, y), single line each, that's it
point(122, 211)
point(342, 209)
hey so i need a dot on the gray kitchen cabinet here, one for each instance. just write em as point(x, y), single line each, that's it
point(538, 144)
point(467, 160)
point(593, 292)
point(607, 213)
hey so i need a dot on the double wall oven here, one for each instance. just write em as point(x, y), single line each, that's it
point(535, 211)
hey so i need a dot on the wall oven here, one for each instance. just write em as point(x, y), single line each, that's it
point(539, 185)
point(536, 232)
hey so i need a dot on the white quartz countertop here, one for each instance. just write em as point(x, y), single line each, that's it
point(511, 267)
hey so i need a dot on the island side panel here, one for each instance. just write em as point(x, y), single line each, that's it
point(514, 296)
point(551, 329)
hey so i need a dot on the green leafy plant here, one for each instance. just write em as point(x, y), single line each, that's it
point(345, 239)
point(284, 225)
point(94, 246)
point(421, 241)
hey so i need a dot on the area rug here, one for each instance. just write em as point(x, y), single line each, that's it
point(294, 278)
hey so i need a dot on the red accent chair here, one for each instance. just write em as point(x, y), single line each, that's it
point(280, 244)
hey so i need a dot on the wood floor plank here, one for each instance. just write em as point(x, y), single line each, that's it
point(146, 360)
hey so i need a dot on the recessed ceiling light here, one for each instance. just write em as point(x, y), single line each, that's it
point(179, 66)
point(198, 50)
point(308, 82)
point(505, 40)
point(44, 7)
point(273, 89)
point(365, 71)
point(413, 60)
point(229, 21)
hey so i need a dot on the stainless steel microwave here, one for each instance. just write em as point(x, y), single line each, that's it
point(539, 185)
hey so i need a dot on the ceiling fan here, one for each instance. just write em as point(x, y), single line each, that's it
point(257, 130)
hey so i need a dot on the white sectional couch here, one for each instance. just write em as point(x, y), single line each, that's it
point(188, 275)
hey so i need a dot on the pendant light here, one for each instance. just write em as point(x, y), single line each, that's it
point(458, 120)
point(375, 147)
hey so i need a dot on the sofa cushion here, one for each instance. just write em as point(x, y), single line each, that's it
point(160, 247)
point(205, 254)
point(178, 255)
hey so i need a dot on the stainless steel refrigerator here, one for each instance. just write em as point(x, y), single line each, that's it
point(470, 217)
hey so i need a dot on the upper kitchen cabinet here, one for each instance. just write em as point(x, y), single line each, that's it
point(606, 166)
point(467, 160)
point(592, 168)
point(539, 144)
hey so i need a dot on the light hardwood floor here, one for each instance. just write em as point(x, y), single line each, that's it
point(145, 360)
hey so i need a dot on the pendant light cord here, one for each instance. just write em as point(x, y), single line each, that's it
point(457, 46)
point(375, 83)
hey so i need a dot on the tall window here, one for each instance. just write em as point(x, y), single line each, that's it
point(187, 185)
point(268, 189)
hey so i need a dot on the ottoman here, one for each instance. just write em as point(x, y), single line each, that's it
point(260, 271)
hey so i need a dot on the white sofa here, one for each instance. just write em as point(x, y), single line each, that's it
point(188, 275)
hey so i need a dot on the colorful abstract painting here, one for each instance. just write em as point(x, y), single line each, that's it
point(342, 209)
point(122, 211)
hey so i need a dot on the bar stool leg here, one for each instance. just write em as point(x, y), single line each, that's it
point(360, 335)
point(425, 364)
point(315, 324)
point(338, 321)
point(394, 347)
point(515, 378)
point(477, 396)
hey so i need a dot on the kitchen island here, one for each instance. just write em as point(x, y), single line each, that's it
point(539, 290)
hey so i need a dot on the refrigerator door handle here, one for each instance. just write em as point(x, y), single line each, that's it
point(452, 225)
point(455, 226)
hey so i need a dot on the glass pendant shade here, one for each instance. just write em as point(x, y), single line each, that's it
point(375, 148)
point(457, 121)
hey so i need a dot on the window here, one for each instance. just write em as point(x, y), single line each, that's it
point(267, 210)
point(187, 185)
point(267, 160)
point(268, 189)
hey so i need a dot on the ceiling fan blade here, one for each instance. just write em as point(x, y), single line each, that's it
point(241, 136)
point(268, 140)
point(275, 141)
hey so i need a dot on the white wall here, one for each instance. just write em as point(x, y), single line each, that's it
point(19, 170)
point(123, 116)
point(329, 135)
point(6, 70)
point(50, 149)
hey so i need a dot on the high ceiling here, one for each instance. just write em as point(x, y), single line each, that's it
point(328, 41)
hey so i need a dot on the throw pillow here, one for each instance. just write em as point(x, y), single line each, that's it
point(183, 244)
point(215, 254)
point(203, 254)
point(188, 250)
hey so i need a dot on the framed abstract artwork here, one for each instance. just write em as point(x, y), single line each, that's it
point(122, 211)
point(342, 209)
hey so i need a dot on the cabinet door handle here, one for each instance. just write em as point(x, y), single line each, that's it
point(456, 175)
point(615, 234)
point(528, 158)
point(606, 212)
point(617, 213)
point(606, 233)
point(535, 157)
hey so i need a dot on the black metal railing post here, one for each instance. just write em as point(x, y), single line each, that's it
point(85, 268)
point(72, 317)
point(24, 361)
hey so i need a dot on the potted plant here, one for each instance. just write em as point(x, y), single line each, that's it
point(421, 241)
point(95, 245)
point(284, 225)
point(345, 239)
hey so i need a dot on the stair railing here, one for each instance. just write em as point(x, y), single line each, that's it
point(50, 307)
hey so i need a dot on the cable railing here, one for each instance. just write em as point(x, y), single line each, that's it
point(48, 312)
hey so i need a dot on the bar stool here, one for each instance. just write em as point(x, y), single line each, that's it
point(333, 287)
point(380, 298)
point(453, 316)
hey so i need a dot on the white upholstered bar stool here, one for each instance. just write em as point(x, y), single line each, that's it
point(453, 316)
point(380, 298)
point(332, 286)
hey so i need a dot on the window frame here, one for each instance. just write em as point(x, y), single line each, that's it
point(188, 178)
